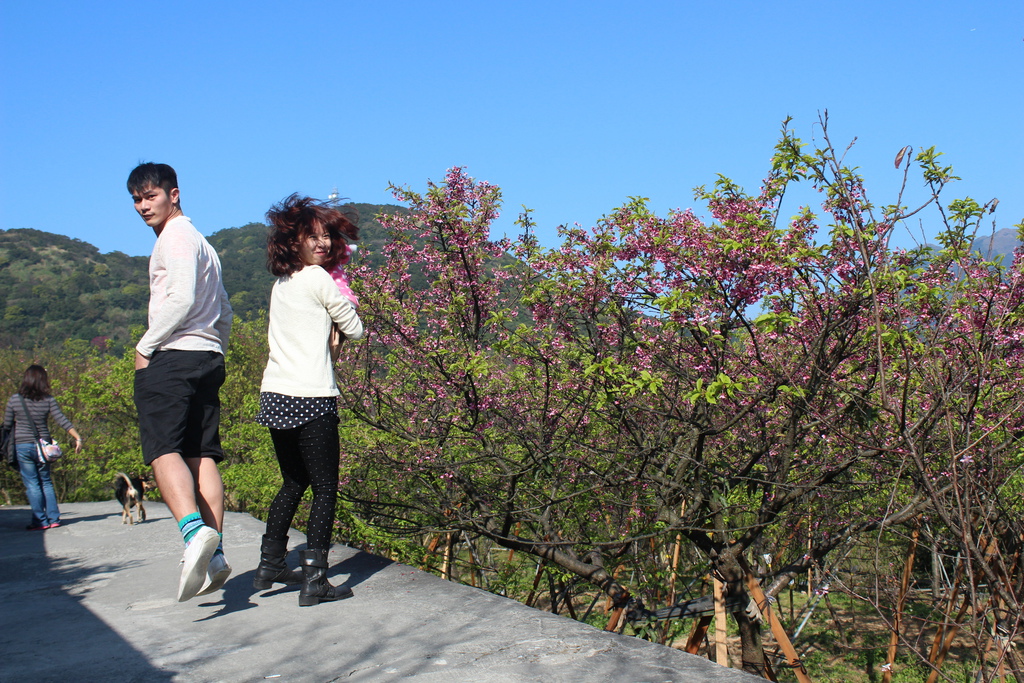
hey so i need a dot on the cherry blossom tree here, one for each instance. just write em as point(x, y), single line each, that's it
point(738, 382)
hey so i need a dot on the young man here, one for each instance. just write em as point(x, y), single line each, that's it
point(179, 368)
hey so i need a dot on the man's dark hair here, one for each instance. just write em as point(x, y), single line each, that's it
point(149, 174)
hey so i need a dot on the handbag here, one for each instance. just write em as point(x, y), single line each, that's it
point(50, 450)
point(7, 448)
point(47, 451)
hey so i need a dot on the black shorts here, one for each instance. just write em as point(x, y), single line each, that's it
point(178, 401)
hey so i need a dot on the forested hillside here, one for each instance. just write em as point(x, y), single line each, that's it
point(54, 288)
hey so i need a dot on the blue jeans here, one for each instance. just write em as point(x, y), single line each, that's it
point(38, 486)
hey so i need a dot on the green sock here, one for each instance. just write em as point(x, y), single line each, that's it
point(189, 525)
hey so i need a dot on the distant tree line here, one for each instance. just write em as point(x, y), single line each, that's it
point(54, 288)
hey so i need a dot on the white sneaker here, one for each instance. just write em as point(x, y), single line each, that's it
point(196, 562)
point(216, 574)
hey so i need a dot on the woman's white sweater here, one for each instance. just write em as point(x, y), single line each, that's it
point(302, 307)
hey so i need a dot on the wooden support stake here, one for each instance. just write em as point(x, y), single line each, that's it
point(721, 648)
point(536, 582)
point(431, 548)
point(675, 560)
point(754, 588)
point(449, 547)
point(675, 570)
point(810, 569)
point(944, 638)
point(947, 629)
point(699, 632)
point(617, 614)
point(613, 620)
point(519, 527)
point(1015, 663)
point(901, 600)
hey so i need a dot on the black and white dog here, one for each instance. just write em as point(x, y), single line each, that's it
point(130, 492)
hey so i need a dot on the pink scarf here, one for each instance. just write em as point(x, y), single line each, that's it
point(339, 279)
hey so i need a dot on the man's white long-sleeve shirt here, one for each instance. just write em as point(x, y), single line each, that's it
point(188, 306)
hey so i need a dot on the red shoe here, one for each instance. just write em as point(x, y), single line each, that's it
point(52, 526)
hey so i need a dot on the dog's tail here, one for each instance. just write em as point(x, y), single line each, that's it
point(132, 491)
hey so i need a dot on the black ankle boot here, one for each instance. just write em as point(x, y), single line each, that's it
point(315, 588)
point(273, 568)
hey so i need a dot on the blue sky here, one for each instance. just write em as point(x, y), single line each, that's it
point(570, 107)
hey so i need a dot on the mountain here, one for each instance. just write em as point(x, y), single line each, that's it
point(243, 256)
point(54, 288)
point(999, 246)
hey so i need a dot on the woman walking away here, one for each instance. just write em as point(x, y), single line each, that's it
point(298, 395)
point(27, 410)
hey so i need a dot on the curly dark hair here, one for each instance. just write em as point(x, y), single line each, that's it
point(295, 219)
point(35, 386)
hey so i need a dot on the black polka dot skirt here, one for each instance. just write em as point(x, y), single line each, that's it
point(278, 411)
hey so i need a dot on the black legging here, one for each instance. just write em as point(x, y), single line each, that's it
point(308, 456)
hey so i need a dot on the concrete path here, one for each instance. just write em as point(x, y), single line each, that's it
point(94, 600)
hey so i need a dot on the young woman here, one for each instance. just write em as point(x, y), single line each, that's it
point(297, 397)
point(34, 396)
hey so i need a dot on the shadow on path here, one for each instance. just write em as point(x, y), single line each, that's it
point(95, 600)
point(45, 631)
